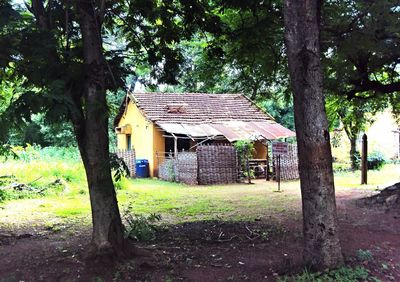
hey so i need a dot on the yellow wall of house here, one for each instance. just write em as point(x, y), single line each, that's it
point(260, 150)
point(158, 146)
point(145, 138)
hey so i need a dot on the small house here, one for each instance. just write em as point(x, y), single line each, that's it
point(157, 124)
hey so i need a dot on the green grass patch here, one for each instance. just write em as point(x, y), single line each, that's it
point(175, 202)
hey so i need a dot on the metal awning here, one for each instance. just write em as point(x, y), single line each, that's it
point(231, 130)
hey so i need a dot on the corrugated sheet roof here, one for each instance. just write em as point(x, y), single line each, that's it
point(231, 130)
point(206, 115)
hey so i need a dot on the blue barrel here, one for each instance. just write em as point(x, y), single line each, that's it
point(142, 168)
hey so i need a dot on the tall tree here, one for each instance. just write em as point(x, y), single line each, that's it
point(361, 56)
point(361, 49)
point(353, 117)
point(320, 227)
point(57, 48)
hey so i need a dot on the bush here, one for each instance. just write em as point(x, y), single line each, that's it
point(140, 227)
point(30, 153)
point(341, 167)
point(11, 188)
point(376, 160)
point(38, 172)
point(245, 150)
point(345, 274)
point(364, 255)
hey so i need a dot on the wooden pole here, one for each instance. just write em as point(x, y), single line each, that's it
point(279, 172)
point(248, 168)
point(175, 147)
point(267, 165)
point(364, 159)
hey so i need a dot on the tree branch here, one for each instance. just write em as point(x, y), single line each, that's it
point(374, 86)
point(40, 14)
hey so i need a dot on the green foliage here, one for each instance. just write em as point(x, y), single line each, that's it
point(246, 55)
point(281, 110)
point(31, 153)
point(119, 167)
point(364, 255)
point(245, 150)
point(340, 167)
point(140, 227)
point(376, 160)
point(357, 160)
point(343, 274)
point(11, 188)
point(40, 172)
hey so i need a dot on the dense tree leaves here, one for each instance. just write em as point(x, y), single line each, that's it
point(246, 56)
point(362, 48)
point(67, 55)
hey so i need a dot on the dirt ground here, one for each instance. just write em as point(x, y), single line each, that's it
point(205, 251)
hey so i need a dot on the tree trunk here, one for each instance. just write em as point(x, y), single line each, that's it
point(352, 134)
point(353, 153)
point(92, 137)
point(321, 241)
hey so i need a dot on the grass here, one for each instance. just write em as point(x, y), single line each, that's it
point(343, 274)
point(176, 202)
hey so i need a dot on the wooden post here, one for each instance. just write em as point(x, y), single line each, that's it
point(248, 168)
point(279, 172)
point(175, 147)
point(267, 164)
point(364, 159)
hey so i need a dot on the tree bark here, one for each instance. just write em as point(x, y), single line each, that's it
point(353, 152)
point(321, 241)
point(92, 136)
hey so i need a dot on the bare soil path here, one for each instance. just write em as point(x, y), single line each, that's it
point(205, 251)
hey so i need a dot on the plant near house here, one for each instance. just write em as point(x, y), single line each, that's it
point(245, 150)
point(119, 167)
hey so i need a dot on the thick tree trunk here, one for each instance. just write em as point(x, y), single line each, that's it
point(92, 137)
point(322, 246)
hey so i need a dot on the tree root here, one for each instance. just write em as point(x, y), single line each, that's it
point(108, 254)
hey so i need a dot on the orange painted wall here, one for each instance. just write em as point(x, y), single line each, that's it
point(146, 139)
point(260, 150)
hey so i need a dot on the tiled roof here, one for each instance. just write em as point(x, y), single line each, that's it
point(195, 107)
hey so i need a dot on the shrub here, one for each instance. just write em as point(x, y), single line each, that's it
point(30, 153)
point(245, 150)
point(341, 167)
point(364, 255)
point(344, 274)
point(141, 227)
point(376, 160)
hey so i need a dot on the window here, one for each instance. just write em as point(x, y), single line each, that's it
point(183, 144)
point(128, 142)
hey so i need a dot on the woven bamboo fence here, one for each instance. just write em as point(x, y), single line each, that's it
point(129, 158)
point(166, 166)
point(217, 164)
point(186, 168)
